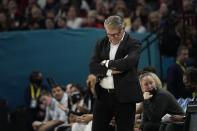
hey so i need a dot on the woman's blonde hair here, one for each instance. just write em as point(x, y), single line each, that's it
point(154, 76)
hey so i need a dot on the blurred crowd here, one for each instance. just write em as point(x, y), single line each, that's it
point(139, 15)
point(52, 107)
point(71, 107)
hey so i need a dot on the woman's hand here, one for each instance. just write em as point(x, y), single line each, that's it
point(147, 95)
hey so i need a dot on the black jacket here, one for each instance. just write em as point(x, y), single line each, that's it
point(126, 84)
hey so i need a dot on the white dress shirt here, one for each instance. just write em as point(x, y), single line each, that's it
point(108, 82)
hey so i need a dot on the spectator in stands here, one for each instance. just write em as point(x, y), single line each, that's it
point(34, 89)
point(191, 80)
point(102, 11)
point(154, 21)
point(145, 5)
point(137, 26)
point(51, 5)
point(4, 3)
point(175, 74)
point(60, 96)
point(61, 23)
point(188, 80)
point(34, 109)
point(187, 6)
point(163, 10)
point(121, 10)
point(91, 20)
point(169, 36)
point(60, 8)
point(152, 4)
point(54, 115)
point(152, 108)
point(4, 22)
point(141, 12)
point(73, 20)
point(49, 23)
point(84, 122)
point(15, 15)
point(36, 18)
point(50, 14)
point(190, 41)
point(77, 103)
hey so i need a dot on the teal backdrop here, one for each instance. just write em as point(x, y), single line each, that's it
point(61, 54)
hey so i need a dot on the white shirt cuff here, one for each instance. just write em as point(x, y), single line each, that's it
point(109, 73)
point(106, 64)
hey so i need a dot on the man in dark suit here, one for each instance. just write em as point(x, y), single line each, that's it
point(113, 73)
point(175, 74)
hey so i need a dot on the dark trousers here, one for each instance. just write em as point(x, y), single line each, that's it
point(107, 106)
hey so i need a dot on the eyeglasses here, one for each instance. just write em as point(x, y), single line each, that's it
point(115, 34)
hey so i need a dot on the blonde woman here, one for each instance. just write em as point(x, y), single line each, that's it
point(157, 102)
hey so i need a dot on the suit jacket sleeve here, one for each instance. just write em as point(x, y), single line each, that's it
point(95, 67)
point(130, 60)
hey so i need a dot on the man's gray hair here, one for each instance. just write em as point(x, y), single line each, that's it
point(114, 21)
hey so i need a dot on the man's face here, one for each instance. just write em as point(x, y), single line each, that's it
point(114, 34)
point(184, 54)
point(58, 93)
point(38, 79)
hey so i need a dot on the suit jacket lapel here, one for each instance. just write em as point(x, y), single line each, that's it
point(107, 49)
point(120, 48)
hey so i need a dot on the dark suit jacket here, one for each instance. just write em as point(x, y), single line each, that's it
point(175, 82)
point(126, 84)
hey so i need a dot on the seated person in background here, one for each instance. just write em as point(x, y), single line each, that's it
point(77, 105)
point(34, 108)
point(84, 121)
point(60, 96)
point(190, 72)
point(157, 103)
point(34, 89)
point(190, 81)
point(175, 73)
point(54, 115)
